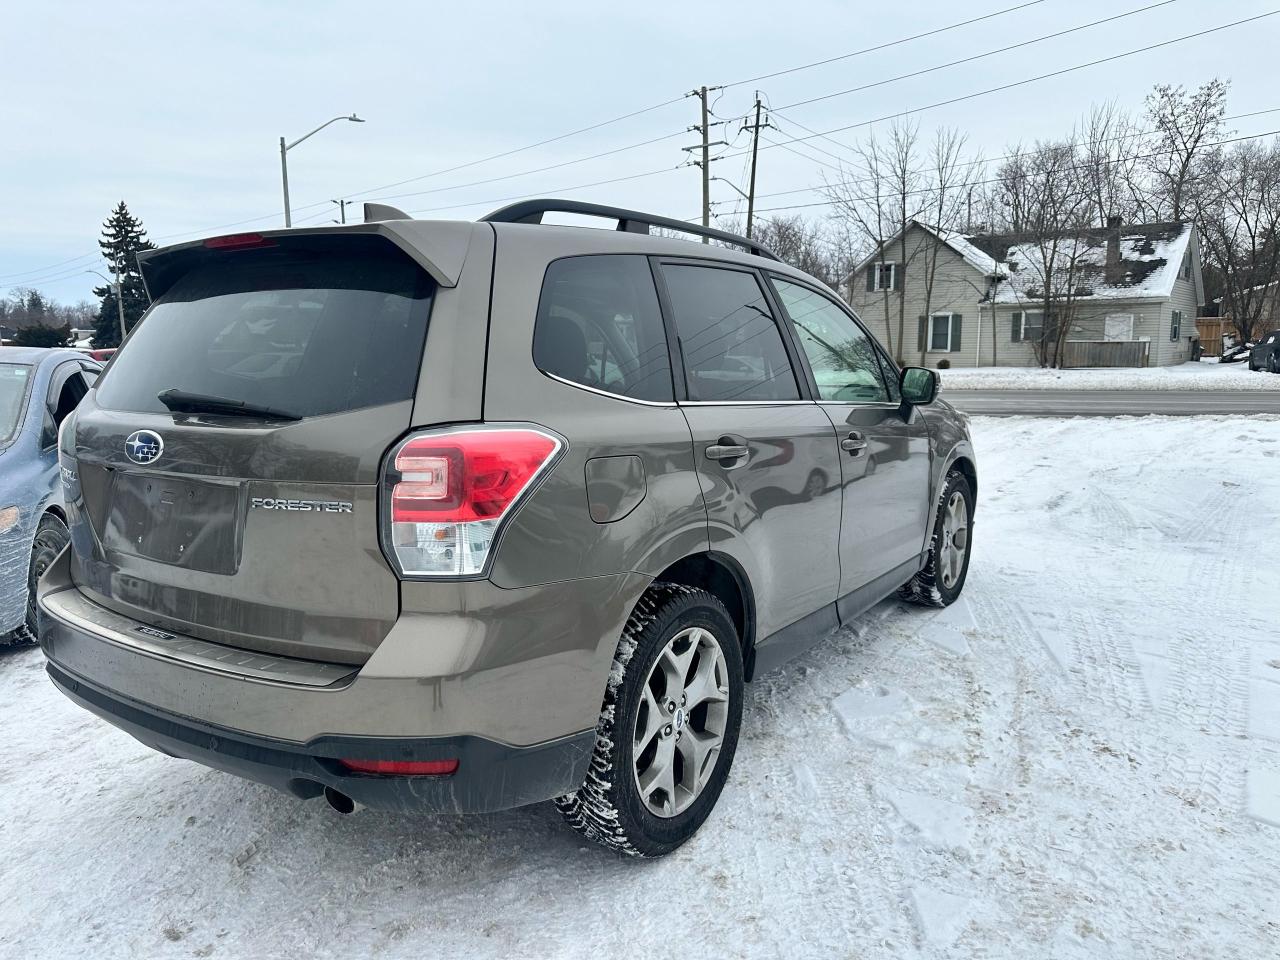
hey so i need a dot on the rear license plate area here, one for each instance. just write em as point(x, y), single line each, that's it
point(192, 524)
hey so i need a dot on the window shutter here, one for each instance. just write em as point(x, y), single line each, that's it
point(924, 331)
point(871, 278)
point(1016, 335)
point(955, 332)
point(897, 276)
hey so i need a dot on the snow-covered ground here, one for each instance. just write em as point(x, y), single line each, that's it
point(1205, 375)
point(1079, 759)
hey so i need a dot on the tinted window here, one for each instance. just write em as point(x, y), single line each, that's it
point(841, 354)
point(306, 334)
point(599, 325)
point(14, 380)
point(731, 346)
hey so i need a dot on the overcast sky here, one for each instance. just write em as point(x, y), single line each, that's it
point(177, 108)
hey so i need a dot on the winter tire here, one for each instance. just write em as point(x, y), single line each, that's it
point(941, 580)
point(51, 536)
point(668, 729)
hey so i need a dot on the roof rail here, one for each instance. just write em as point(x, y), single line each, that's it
point(630, 221)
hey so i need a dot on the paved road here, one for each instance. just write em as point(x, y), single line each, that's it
point(1113, 403)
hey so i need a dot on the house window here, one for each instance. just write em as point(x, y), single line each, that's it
point(1027, 325)
point(1186, 266)
point(940, 332)
point(1175, 325)
point(885, 276)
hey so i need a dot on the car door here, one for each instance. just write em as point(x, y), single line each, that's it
point(67, 387)
point(884, 460)
point(766, 453)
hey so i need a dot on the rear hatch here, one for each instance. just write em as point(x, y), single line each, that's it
point(228, 460)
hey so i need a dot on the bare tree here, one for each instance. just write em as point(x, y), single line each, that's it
point(1240, 231)
point(1110, 142)
point(949, 191)
point(878, 198)
point(1185, 125)
point(1056, 209)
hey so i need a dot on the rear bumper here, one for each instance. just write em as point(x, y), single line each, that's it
point(508, 682)
point(490, 776)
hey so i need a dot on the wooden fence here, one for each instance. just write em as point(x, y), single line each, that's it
point(1106, 353)
point(1211, 330)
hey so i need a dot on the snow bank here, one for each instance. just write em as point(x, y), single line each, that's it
point(1185, 376)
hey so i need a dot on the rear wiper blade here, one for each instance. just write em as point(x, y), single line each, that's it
point(181, 401)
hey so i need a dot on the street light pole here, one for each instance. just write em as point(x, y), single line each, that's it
point(284, 177)
point(284, 160)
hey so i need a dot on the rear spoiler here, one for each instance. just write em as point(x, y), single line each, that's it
point(438, 246)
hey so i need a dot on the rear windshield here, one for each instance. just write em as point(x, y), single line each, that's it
point(14, 380)
point(304, 334)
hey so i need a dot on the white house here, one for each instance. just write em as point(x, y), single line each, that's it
point(1130, 293)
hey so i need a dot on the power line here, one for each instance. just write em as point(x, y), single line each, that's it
point(512, 152)
point(1028, 80)
point(994, 180)
point(881, 46)
point(1132, 135)
point(977, 56)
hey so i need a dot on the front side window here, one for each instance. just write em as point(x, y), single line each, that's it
point(841, 354)
point(732, 347)
point(307, 333)
point(1175, 325)
point(599, 325)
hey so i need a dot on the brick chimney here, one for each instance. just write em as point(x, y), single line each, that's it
point(1115, 272)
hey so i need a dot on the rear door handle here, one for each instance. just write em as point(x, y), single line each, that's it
point(728, 448)
point(853, 443)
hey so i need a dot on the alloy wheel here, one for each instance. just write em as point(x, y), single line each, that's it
point(955, 539)
point(681, 722)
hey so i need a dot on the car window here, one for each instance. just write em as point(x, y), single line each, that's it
point(599, 325)
point(842, 356)
point(15, 380)
point(306, 333)
point(732, 348)
point(69, 394)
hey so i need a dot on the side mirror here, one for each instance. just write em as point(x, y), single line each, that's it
point(919, 385)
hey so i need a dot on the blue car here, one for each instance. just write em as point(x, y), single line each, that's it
point(38, 389)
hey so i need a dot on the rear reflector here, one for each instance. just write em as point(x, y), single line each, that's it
point(237, 241)
point(403, 768)
point(448, 492)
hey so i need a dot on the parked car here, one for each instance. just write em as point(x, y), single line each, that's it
point(1265, 354)
point(463, 516)
point(38, 389)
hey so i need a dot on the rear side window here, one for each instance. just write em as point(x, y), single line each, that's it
point(599, 325)
point(308, 334)
point(731, 346)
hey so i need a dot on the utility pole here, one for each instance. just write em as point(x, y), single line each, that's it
point(120, 302)
point(342, 209)
point(755, 147)
point(705, 163)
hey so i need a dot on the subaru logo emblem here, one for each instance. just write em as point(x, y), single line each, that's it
point(143, 446)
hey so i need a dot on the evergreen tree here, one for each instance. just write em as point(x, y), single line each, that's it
point(123, 237)
point(39, 335)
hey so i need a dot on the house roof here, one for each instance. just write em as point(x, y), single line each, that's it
point(1150, 258)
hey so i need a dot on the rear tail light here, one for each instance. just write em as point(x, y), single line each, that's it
point(403, 768)
point(446, 494)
